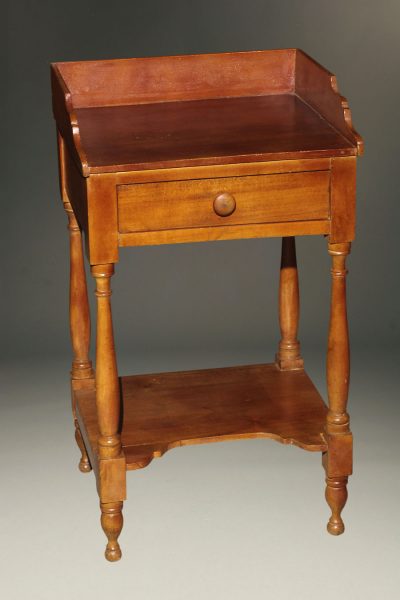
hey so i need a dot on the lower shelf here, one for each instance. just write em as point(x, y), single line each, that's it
point(165, 410)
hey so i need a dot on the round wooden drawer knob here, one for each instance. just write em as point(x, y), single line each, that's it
point(224, 204)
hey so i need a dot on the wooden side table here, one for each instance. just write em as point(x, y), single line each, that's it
point(190, 149)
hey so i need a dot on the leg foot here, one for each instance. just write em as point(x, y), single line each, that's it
point(111, 522)
point(336, 496)
point(84, 463)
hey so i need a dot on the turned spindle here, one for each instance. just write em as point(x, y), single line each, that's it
point(338, 460)
point(79, 319)
point(79, 315)
point(288, 356)
point(108, 406)
point(107, 386)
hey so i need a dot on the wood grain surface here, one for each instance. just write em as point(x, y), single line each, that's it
point(165, 410)
point(258, 199)
point(174, 78)
point(225, 130)
point(199, 148)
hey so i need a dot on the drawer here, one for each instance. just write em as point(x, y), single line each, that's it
point(223, 201)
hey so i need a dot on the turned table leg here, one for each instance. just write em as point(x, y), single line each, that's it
point(112, 471)
point(288, 356)
point(338, 458)
point(79, 323)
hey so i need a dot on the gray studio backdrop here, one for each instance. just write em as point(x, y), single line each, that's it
point(206, 297)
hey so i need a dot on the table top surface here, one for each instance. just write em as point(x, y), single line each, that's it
point(189, 110)
point(201, 132)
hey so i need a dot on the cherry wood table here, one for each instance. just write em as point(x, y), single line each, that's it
point(191, 149)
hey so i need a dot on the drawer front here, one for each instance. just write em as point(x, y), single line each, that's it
point(223, 201)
